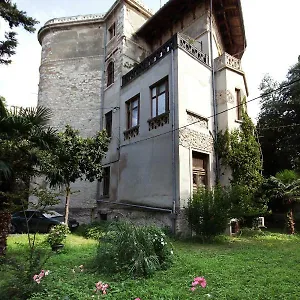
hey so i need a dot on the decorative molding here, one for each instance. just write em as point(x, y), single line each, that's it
point(192, 139)
point(177, 41)
point(197, 121)
point(78, 18)
point(131, 132)
point(159, 121)
point(224, 96)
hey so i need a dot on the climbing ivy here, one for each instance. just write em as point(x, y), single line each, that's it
point(240, 150)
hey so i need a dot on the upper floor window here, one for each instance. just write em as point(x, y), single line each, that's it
point(110, 73)
point(111, 31)
point(108, 123)
point(133, 112)
point(159, 98)
point(239, 105)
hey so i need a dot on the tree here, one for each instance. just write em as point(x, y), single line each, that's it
point(74, 158)
point(278, 123)
point(285, 187)
point(23, 134)
point(14, 17)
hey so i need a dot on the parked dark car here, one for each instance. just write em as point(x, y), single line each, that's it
point(38, 221)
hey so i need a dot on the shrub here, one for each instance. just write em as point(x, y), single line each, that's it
point(93, 230)
point(137, 250)
point(208, 212)
point(58, 234)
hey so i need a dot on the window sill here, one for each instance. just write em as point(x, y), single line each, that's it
point(109, 86)
point(238, 121)
point(111, 40)
point(159, 120)
point(131, 132)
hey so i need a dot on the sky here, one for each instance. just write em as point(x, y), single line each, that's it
point(271, 26)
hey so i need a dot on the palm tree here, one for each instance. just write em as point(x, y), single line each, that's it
point(23, 134)
point(285, 186)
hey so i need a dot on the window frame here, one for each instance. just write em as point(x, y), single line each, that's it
point(112, 31)
point(110, 73)
point(129, 110)
point(108, 123)
point(198, 172)
point(106, 181)
point(156, 85)
point(239, 105)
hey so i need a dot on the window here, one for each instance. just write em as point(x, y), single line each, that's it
point(110, 73)
point(239, 106)
point(159, 98)
point(108, 123)
point(199, 170)
point(111, 31)
point(133, 112)
point(106, 181)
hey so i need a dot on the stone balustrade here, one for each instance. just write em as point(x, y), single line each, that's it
point(226, 60)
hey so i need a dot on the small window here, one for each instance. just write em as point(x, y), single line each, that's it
point(159, 98)
point(133, 112)
point(110, 73)
point(108, 123)
point(111, 31)
point(106, 181)
point(239, 106)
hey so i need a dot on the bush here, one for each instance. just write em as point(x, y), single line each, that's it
point(208, 212)
point(136, 250)
point(93, 230)
point(58, 234)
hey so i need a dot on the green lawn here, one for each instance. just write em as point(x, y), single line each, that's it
point(264, 267)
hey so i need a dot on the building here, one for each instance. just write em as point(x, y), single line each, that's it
point(161, 85)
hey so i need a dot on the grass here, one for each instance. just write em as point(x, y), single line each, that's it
point(259, 267)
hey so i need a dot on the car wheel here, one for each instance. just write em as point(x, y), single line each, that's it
point(12, 228)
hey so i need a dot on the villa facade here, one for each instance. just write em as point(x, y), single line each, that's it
point(162, 85)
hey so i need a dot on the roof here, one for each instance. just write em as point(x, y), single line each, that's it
point(228, 15)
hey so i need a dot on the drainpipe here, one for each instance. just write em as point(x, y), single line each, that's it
point(173, 142)
point(102, 92)
point(214, 90)
point(103, 79)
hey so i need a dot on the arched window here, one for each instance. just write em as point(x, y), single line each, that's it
point(110, 73)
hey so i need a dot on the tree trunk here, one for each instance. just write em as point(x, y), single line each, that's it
point(290, 222)
point(68, 191)
point(5, 218)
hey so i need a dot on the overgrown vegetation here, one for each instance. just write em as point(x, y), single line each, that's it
point(239, 150)
point(135, 250)
point(284, 187)
point(278, 122)
point(234, 268)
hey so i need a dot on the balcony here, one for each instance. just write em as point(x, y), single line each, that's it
point(177, 41)
point(228, 61)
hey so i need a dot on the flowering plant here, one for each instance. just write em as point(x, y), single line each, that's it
point(38, 277)
point(198, 281)
point(102, 287)
point(58, 234)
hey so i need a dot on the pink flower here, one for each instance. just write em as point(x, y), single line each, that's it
point(199, 280)
point(193, 289)
point(100, 286)
point(35, 277)
point(137, 299)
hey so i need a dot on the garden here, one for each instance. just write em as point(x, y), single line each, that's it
point(254, 265)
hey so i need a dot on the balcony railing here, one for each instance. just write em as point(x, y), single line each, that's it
point(226, 60)
point(177, 41)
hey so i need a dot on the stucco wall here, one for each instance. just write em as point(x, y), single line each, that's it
point(194, 95)
point(146, 165)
